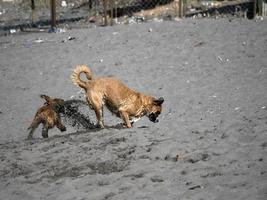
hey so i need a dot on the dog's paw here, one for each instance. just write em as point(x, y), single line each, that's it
point(100, 126)
point(127, 126)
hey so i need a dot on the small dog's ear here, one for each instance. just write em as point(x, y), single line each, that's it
point(46, 98)
point(159, 101)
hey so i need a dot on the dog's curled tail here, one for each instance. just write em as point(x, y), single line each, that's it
point(75, 77)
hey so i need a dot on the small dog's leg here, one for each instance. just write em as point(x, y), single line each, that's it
point(33, 126)
point(45, 132)
point(126, 119)
point(31, 133)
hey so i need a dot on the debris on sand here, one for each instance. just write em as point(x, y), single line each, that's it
point(74, 117)
point(39, 40)
point(68, 39)
point(196, 187)
point(12, 31)
point(157, 179)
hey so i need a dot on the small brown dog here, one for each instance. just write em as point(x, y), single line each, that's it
point(48, 115)
point(122, 101)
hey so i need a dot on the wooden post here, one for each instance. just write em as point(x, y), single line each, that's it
point(105, 12)
point(116, 10)
point(33, 11)
point(261, 7)
point(180, 8)
point(184, 7)
point(32, 4)
point(90, 4)
point(254, 8)
point(53, 14)
point(111, 11)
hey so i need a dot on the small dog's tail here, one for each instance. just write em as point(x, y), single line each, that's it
point(36, 121)
point(75, 77)
point(31, 126)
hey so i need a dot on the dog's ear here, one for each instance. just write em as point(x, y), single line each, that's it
point(159, 101)
point(46, 98)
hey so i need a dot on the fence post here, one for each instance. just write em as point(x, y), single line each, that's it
point(33, 11)
point(260, 4)
point(53, 14)
point(90, 4)
point(32, 4)
point(105, 12)
point(254, 8)
point(184, 7)
point(116, 11)
point(181, 8)
point(111, 5)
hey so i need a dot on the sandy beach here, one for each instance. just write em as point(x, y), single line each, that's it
point(211, 138)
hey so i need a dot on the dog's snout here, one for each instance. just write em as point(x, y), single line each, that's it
point(153, 117)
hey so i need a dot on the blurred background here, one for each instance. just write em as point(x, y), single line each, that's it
point(18, 15)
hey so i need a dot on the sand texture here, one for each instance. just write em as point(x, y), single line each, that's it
point(210, 141)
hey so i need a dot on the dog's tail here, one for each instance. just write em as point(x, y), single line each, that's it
point(31, 125)
point(75, 77)
point(34, 124)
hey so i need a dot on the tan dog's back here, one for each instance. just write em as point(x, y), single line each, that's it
point(112, 89)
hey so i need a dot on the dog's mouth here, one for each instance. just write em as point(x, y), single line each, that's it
point(153, 117)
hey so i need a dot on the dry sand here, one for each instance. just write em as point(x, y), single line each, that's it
point(211, 139)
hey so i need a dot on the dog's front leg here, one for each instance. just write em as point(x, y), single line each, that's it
point(125, 117)
point(45, 131)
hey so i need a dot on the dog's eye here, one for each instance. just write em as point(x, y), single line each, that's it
point(158, 113)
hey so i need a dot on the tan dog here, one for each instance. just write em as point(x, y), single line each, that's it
point(122, 101)
point(48, 115)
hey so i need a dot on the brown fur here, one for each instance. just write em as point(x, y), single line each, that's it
point(48, 115)
point(122, 101)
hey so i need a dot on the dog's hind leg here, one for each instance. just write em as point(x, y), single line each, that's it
point(45, 131)
point(35, 123)
point(31, 133)
point(96, 103)
point(99, 117)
